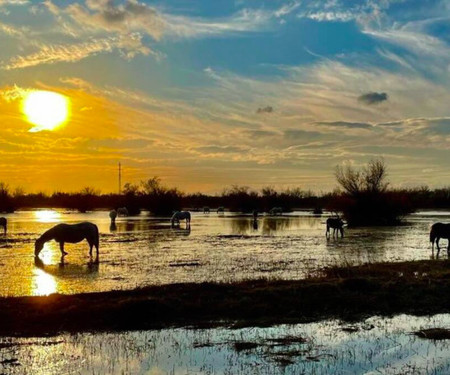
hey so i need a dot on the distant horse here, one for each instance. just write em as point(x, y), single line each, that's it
point(221, 210)
point(181, 215)
point(255, 214)
point(71, 233)
point(337, 224)
point(276, 211)
point(112, 216)
point(206, 210)
point(3, 223)
point(438, 231)
point(122, 211)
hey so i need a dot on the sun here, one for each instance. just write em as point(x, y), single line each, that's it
point(45, 109)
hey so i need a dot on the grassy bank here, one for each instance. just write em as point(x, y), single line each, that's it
point(421, 287)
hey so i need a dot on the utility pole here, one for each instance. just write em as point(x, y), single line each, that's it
point(120, 178)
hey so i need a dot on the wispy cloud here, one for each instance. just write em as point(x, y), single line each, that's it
point(49, 54)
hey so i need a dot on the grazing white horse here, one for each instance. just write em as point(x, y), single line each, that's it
point(181, 215)
point(276, 211)
point(438, 231)
point(112, 216)
point(337, 224)
point(122, 211)
point(3, 223)
point(71, 233)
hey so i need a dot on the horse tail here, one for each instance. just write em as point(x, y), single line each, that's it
point(432, 233)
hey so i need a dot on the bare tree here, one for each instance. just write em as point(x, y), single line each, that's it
point(370, 179)
point(375, 176)
point(350, 179)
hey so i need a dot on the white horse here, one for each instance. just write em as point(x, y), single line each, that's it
point(276, 211)
point(112, 216)
point(71, 233)
point(3, 223)
point(122, 211)
point(181, 215)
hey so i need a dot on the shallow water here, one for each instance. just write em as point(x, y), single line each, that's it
point(375, 346)
point(144, 250)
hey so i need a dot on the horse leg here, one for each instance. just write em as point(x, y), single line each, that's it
point(61, 247)
point(91, 245)
point(438, 248)
point(327, 231)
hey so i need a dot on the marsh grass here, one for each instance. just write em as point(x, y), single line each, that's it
point(349, 293)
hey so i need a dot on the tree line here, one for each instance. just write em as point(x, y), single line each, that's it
point(363, 197)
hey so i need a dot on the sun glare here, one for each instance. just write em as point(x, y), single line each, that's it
point(45, 109)
point(47, 216)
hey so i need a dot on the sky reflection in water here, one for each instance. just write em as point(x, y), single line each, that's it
point(146, 251)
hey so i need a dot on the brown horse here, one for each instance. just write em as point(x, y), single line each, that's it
point(337, 224)
point(438, 231)
point(71, 233)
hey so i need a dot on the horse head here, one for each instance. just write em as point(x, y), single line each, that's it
point(38, 246)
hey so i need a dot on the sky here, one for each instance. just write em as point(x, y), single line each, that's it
point(208, 94)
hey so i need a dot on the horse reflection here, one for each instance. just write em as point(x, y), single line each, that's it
point(4, 224)
point(181, 231)
point(66, 269)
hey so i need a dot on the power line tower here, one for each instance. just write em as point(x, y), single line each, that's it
point(120, 178)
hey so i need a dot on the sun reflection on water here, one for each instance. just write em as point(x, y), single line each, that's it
point(43, 283)
point(47, 216)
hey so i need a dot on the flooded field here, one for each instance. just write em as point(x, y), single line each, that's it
point(144, 250)
point(375, 346)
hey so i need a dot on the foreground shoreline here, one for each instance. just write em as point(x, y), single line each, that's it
point(348, 293)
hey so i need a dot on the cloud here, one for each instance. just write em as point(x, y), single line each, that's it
point(130, 16)
point(124, 18)
point(214, 149)
point(329, 16)
point(266, 109)
point(14, 2)
point(10, 94)
point(373, 98)
point(345, 124)
point(259, 134)
point(128, 46)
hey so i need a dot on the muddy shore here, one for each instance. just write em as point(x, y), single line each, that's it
point(348, 293)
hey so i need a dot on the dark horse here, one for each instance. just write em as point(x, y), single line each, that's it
point(438, 231)
point(71, 233)
point(337, 224)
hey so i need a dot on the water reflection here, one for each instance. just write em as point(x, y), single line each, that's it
point(50, 277)
point(270, 226)
point(375, 346)
point(227, 248)
point(47, 216)
point(43, 283)
point(181, 231)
